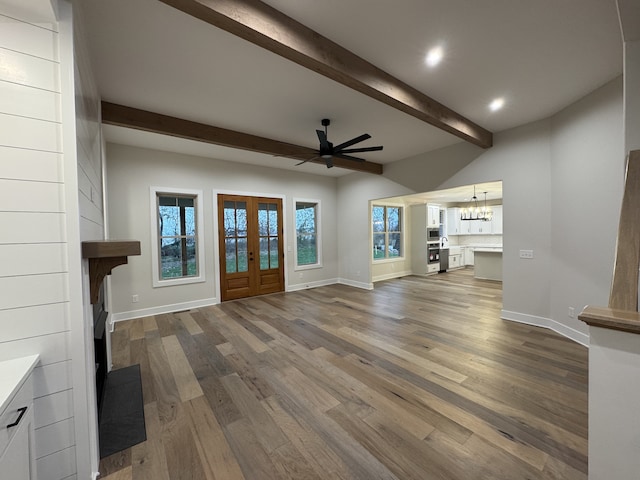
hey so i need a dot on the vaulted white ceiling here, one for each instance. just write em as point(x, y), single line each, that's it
point(539, 55)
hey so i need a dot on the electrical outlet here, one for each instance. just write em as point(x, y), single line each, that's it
point(134, 298)
point(526, 253)
point(572, 312)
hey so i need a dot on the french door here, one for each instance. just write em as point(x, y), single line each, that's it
point(251, 246)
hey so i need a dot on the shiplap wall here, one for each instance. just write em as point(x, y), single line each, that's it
point(89, 152)
point(34, 265)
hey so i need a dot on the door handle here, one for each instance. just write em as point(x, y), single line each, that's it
point(22, 412)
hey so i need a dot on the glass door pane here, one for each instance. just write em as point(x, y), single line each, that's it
point(268, 232)
point(235, 236)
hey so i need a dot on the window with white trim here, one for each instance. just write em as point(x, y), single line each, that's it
point(387, 223)
point(177, 249)
point(308, 251)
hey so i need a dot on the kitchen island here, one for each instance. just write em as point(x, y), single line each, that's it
point(488, 263)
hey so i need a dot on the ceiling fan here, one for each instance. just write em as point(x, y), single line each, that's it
point(327, 150)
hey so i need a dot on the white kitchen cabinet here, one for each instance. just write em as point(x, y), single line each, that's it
point(453, 221)
point(17, 441)
point(455, 261)
point(468, 256)
point(479, 227)
point(433, 216)
point(496, 221)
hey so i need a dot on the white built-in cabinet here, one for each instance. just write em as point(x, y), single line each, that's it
point(496, 221)
point(453, 221)
point(422, 217)
point(433, 216)
point(17, 446)
point(468, 256)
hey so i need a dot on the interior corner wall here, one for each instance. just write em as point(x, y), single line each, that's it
point(587, 182)
point(131, 171)
point(520, 158)
point(354, 240)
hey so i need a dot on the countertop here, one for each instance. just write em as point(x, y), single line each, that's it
point(13, 373)
point(496, 248)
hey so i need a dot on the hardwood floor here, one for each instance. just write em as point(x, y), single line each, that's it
point(417, 379)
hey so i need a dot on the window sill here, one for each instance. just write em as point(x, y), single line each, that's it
point(307, 267)
point(178, 281)
point(388, 260)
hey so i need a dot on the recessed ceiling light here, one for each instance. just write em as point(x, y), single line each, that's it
point(496, 104)
point(434, 56)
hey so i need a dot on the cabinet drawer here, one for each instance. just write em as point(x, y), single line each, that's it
point(23, 398)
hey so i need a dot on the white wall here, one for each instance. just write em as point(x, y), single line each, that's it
point(132, 171)
point(35, 306)
point(354, 225)
point(587, 181)
point(555, 172)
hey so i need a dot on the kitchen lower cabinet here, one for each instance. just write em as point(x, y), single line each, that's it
point(468, 256)
point(17, 441)
point(18, 460)
point(455, 261)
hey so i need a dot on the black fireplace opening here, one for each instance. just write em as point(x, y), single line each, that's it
point(100, 346)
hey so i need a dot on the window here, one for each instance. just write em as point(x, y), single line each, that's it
point(387, 232)
point(177, 246)
point(307, 233)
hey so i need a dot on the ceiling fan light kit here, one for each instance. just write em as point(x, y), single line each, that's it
point(474, 212)
point(328, 151)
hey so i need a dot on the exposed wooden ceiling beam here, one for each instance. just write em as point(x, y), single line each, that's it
point(122, 116)
point(269, 28)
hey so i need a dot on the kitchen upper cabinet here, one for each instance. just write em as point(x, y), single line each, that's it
point(455, 226)
point(496, 221)
point(453, 221)
point(479, 227)
point(433, 216)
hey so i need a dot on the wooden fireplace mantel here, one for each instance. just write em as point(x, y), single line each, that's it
point(105, 255)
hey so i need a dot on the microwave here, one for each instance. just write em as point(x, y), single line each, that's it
point(433, 234)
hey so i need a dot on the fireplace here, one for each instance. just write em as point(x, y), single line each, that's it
point(100, 345)
point(103, 256)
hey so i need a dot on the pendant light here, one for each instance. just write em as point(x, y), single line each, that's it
point(474, 212)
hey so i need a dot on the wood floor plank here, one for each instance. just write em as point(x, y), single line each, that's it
point(183, 460)
point(253, 460)
point(139, 355)
point(217, 458)
point(191, 325)
point(310, 445)
point(124, 474)
point(148, 458)
point(418, 378)
point(149, 324)
point(186, 381)
point(266, 430)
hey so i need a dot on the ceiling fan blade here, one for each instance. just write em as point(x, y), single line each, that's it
point(308, 160)
point(324, 143)
point(349, 157)
point(353, 141)
point(363, 149)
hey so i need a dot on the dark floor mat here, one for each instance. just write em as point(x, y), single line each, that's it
point(122, 412)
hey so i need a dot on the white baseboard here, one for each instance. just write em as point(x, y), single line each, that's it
point(306, 285)
point(353, 283)
point(389, 276)
point(570, 333)
point(176, 307)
